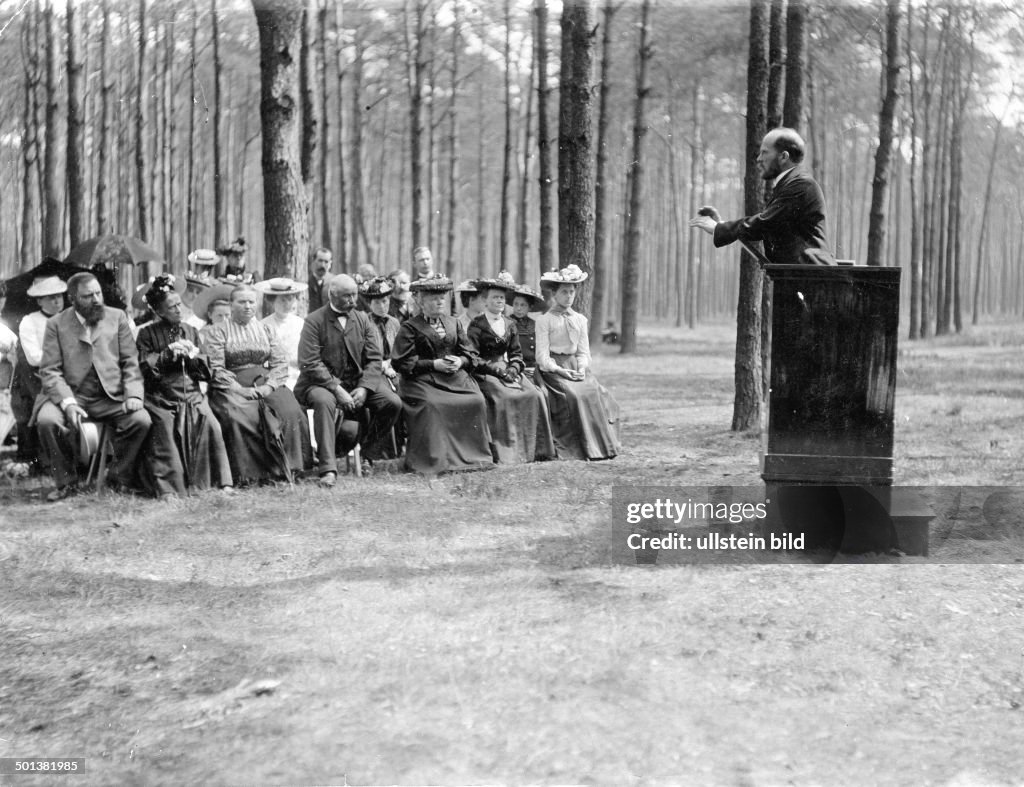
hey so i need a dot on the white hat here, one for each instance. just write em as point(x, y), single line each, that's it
point(47, 285)
point(203, 257)
point(280, 286)
point(571, 274)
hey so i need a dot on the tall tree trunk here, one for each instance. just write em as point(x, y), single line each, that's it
point(692, 246)
point(776, 63)
point(53, 235)
point(522, 213)
point(106, 88)
point(886, 124)
point(358, 192)
point(75, 152)
point(219, 230)
point(342, 244)
point(576, 144)
point(631, 263)
point(30, 240)
point(796, 63)
point(309, 107)
point(506, 170)
point(453, 141)
point(415, 68)
point(746, 414)
point(325, 134)
point(915, 221)
point(546, 244)
point(191, 229)
point(600, 187)
point(286, 235)
point(141, 192)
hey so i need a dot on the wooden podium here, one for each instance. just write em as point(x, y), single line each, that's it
point(827, 457)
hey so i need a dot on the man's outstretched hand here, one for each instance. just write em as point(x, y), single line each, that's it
point(706, 219)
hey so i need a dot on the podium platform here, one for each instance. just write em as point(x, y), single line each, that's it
point(827, 459)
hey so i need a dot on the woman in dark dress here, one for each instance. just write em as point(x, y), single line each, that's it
point(445, 413)
point(376, 292)
point(525, 301)
point(185, 443)
point(516, 411)
point(265, 429)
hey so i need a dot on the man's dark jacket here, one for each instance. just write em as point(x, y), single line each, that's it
point(792, 224)
point(328, 356)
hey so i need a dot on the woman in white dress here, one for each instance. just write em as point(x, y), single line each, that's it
point(282, 295)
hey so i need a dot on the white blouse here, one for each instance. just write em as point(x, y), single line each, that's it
point(289, 331)
point(565, 334)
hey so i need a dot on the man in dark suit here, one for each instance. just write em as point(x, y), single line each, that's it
point(341, 379)
point(90, 369)
point(319, 278)
point(792, 224)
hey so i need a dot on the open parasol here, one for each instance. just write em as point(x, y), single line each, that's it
point(112, 251)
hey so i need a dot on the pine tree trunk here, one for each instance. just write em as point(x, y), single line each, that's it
point(325, 134)
point(286, 234)
point(453, 141)
point(342, 244)
point(522, 214)
point(75, 150)
point(576, 144)
point(747, 403)
point(546, 250)
point(416, 66)
point(30, 240)
point(915, 221)
point(693, 282)
point(886, 123)
point(106, 88)
point(796, 63)
point(776, 63)
point(631, 263)
point(600, 187)
point(219, 232)
point(190, 200)
point(309, 106)
point(985, 208)
point(53, 235)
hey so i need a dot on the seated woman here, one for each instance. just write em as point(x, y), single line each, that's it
point(185, 443)
point(265, 429)
point(516, 412)
point(525, 301)
point(376, 293)
point(445, 413)
point(472, 304)
point(280, 295)
point(584, 416)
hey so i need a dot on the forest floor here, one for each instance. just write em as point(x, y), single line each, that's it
point(472, 629)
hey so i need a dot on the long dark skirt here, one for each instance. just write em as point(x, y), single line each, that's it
point(185, 448)
point(584, 416)
point(446, 423)
point(268, 445)
point(517, 416)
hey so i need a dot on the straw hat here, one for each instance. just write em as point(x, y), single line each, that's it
point(436, 283)
point(203, 257)
point(571, 274)
point(47, 285)
point(203, 279)
point(280, 286)
point(504, 281)
point(216, 292)
point(536, 300)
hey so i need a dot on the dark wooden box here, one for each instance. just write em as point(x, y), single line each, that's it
point(833, 374)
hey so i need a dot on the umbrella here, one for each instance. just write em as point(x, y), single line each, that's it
point(111, 251)
point(18, 302)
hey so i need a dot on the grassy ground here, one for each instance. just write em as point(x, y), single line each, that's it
point(470, 629)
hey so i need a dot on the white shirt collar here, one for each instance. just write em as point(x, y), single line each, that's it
point(781, 175)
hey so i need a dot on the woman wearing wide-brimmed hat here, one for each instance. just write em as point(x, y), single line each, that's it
point(472, 303)
point(584, 416)
point(49, 293)
point(281, 295)
point(445, 413)
point(376, 293)
point(140, 303)
point(265, 429)
point(527, 305)
point(233, 258)
point(185, 443)
point(516, 412)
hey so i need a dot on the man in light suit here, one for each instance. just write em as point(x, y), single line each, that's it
point(792, 224)
point(341, 379)
point(90, 369)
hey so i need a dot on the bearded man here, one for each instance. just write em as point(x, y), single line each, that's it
point(90, 369)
